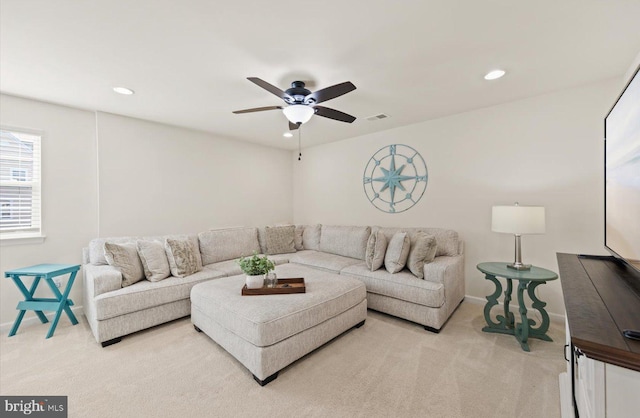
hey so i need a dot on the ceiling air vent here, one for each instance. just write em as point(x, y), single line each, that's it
point(376, 117)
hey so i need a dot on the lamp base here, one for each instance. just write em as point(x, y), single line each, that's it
point(519, 266)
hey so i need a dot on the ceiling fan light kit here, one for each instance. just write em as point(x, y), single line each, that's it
point(298, 113)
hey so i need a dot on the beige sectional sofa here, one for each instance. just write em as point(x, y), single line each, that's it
point(114, 311)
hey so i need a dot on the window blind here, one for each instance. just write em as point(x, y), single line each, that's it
point(20, 184)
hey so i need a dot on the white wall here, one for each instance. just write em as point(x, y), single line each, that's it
point(545, 150)
point(630, 72)
point(134, 177)
point(69, 195)
point(158, 179)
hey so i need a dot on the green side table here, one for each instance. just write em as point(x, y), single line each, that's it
point(60, 303)
point(528, 280)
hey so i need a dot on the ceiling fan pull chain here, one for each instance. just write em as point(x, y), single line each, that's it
point(299, 141)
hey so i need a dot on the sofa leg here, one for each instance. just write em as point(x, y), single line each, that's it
point(267, 380)
point(196, 328)
point(111, 342)
point(359, 324)
point(434, 330)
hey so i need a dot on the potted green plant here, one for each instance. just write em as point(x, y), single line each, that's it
point(255, 267)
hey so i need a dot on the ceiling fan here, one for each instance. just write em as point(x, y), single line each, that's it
point(302, 103)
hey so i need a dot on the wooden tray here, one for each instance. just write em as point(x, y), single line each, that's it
point(283, 287)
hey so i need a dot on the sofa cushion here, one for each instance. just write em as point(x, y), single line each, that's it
point(376, 249)
point(96, 248)
point(231, 267)
point(397, 252)
point(125, 258)
point(227, 268)
point(325, 261)
point(422, 250)
point(348, 241)
point(311, 237)
point(280, 239)
point(181, 254)
point(146, 294)
point(446, 239)
point(403, 285)
point(154, 260)
point(262, 239)
point(228, 244)
point(297, 239)
point(278, 259)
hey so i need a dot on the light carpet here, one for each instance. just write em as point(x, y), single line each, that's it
point(387, 368)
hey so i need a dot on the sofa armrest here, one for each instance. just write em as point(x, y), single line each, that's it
point(85, 255)
point(101, 279)
point(443, 268)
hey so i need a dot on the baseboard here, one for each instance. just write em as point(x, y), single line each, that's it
point(514, 308)
point(33, 320)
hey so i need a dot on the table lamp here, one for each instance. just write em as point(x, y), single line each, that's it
point(518, 220)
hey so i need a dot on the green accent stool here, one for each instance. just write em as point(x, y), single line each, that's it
point(60, 303)
point(528, 280)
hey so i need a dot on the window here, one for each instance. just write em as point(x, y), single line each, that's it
point(5, 209)
point(19, 184)
point(19, 174)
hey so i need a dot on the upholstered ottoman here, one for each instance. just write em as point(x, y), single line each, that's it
point(268, 332)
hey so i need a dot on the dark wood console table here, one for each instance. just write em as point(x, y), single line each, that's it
point(602, 298)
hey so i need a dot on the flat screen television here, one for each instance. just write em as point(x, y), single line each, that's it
point(622, 175)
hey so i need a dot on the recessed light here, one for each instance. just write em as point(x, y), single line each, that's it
point(287, 134)
point(495, 74)
point(123, 90)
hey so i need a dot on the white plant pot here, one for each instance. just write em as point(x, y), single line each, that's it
point(255, 282)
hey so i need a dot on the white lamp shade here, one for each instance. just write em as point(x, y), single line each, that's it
point(518, 219)
point(298, 113)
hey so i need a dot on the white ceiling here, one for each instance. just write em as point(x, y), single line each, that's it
point(413, 60)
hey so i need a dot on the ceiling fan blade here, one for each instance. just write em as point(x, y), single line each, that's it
point(257, 109)
point(333, 114)
point(293, 126)
point(269, 87)
point(329, 93)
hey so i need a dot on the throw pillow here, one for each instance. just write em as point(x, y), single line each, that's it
point(96, 248)
point(423, 250)
point(193, 238)
point(182, 257)
point(280, 239)
point(376, 249)
point(125, 258)
point(154, 260)
point(397, 252)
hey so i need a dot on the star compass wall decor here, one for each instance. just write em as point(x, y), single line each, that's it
point(395, 178)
